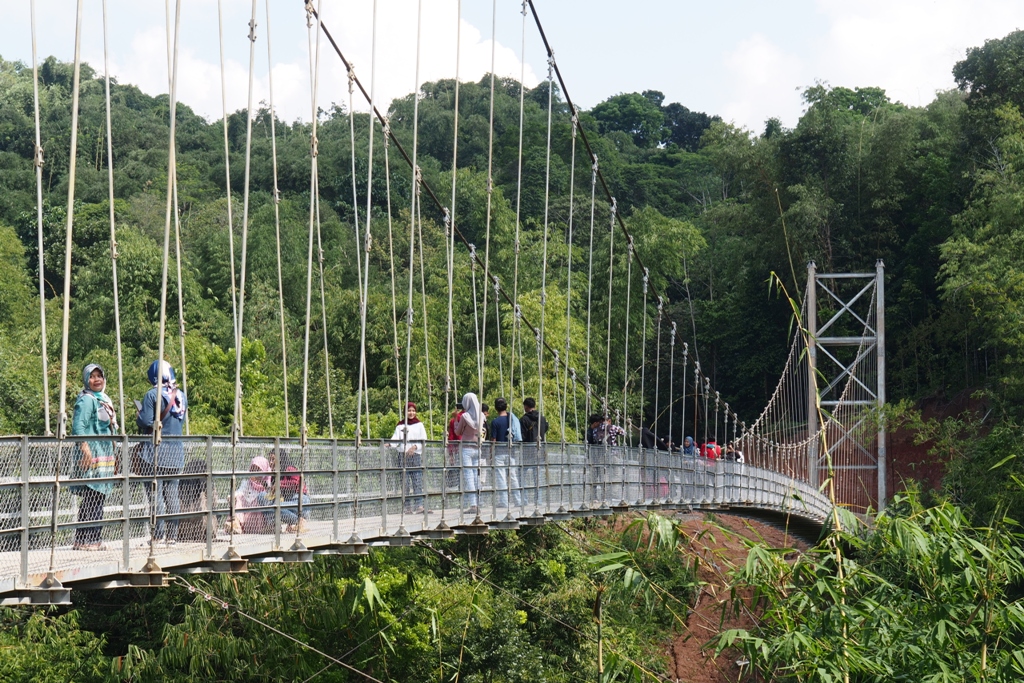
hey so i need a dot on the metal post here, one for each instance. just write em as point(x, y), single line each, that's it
point(880, 371)
point(812, 372)
point(277, 490)
point(26, 510)
point(383, 529)
point(211, 516)
point(335, 491)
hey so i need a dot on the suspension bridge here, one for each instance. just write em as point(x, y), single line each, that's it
point(817, 444)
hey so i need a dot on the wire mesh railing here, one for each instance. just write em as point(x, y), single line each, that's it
point(327, 492)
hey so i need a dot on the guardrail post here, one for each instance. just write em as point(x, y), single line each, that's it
point(383, 490)
point(126, 502)
point(334, 490)
point(211, 500)
point(25, 509)
point(277, 491)
point(722, 482)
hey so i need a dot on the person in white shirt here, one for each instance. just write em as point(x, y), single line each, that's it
point(409, 438)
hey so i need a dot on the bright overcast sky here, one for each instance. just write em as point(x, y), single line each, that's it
point(745, 60)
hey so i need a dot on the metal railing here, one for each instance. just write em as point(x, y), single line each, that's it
point(351, 495)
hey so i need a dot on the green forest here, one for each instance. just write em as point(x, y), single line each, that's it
point(931, 591)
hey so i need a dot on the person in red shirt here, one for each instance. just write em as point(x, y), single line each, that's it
point(712, 451)
point(452, 476)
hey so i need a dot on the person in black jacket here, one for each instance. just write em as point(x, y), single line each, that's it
point(595, 432)
point(534, 427)
point(533, 424)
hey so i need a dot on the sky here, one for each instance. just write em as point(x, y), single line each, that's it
point(745, 60)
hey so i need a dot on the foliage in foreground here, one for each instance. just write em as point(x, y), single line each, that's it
point(921, 596)
point(509, 607)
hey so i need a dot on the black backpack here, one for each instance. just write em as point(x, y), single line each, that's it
point(528, 425)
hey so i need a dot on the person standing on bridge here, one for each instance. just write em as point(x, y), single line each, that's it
point(169, 456)
point(469, 429)
point(409, 438)
point(505, 476)
point(534, 428)
point(94, 416)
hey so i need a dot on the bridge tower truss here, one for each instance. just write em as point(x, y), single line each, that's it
point(846, 357)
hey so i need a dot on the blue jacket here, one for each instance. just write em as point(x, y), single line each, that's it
point(171, 453)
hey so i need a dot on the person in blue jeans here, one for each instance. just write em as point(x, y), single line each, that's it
point(503, 433)
point(168, 458)
point(469, 429)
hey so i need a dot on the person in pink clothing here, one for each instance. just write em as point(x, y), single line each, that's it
point(247, 496)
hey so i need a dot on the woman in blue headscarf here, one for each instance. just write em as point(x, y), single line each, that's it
point(169, 456)
point(94, 459)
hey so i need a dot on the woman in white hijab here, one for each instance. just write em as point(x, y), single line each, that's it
point(469, 429)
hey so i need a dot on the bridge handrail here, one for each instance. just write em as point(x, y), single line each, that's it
point(369, 490)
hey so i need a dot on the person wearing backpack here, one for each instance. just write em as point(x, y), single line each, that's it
point(94, 459)
point(168, 458)
point(534, 427)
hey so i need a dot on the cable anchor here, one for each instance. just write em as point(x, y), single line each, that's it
point(252, 30)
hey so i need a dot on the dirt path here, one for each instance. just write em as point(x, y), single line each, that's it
point(719, 543)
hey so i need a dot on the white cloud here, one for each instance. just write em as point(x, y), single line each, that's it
point(144, 62)
point(764, 81)
point(909, 47)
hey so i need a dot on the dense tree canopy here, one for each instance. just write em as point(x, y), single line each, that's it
point(937, 192)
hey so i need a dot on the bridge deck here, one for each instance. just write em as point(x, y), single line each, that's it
point(364, 491)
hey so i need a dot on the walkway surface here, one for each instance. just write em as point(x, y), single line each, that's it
point(355, 496)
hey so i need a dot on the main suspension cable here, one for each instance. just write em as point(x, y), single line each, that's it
point(424, 185)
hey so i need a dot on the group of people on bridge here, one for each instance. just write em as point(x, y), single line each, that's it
point(95, 461)
point(474, 440)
